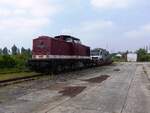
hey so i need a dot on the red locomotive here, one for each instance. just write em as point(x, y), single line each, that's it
point(59, 53)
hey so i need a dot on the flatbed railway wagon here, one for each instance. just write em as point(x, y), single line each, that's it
point(101, 57)
point(59, 53)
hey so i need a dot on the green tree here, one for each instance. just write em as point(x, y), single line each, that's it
point(14, 50)
point(5, 51)
point(6, 61)
point(17, 59)
point(23, 50)
point(29, 52)
point(1, 51)
point(143, 55)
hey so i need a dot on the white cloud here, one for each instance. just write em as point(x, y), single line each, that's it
point(22, 24)
point(93, 33)
point(90, 27)
point(138, 37)
point(23, 20)
point(108, 4)
point(96, 25)
point(141, 32)
point(26, 14)
point(5, 12)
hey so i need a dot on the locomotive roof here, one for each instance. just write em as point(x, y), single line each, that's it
point(66, 37)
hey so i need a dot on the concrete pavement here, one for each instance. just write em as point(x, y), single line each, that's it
point(126, 90)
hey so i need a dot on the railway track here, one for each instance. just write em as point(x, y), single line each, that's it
point(33, 77)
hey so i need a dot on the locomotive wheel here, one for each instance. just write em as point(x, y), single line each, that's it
point(59, 69)
point(66, 68)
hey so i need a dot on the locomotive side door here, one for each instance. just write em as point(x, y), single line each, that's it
point(76, 48)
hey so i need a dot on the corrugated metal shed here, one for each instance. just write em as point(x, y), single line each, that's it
point(131, 57)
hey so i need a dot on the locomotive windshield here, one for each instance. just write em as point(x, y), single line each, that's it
point(94, 53)
point(77, 41)
point(73, 40)
point(68, 38)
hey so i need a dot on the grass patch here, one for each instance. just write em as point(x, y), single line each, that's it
point(16, 75)
point(12, 70)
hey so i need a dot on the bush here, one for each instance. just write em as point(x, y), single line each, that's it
point(21, 60)
point(16, 61)
point(6, 61)
point(143, 56)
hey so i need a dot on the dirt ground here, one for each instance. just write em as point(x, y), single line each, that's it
point(118, 88)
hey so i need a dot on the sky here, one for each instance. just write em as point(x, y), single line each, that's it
point(117, 25)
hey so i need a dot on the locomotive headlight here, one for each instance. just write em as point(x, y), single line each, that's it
point(40, 56)
point(33, 56)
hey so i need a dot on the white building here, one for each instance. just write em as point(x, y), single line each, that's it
point(131, 57)
point(119, 55)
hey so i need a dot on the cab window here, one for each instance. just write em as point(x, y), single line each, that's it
point(69, 40)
